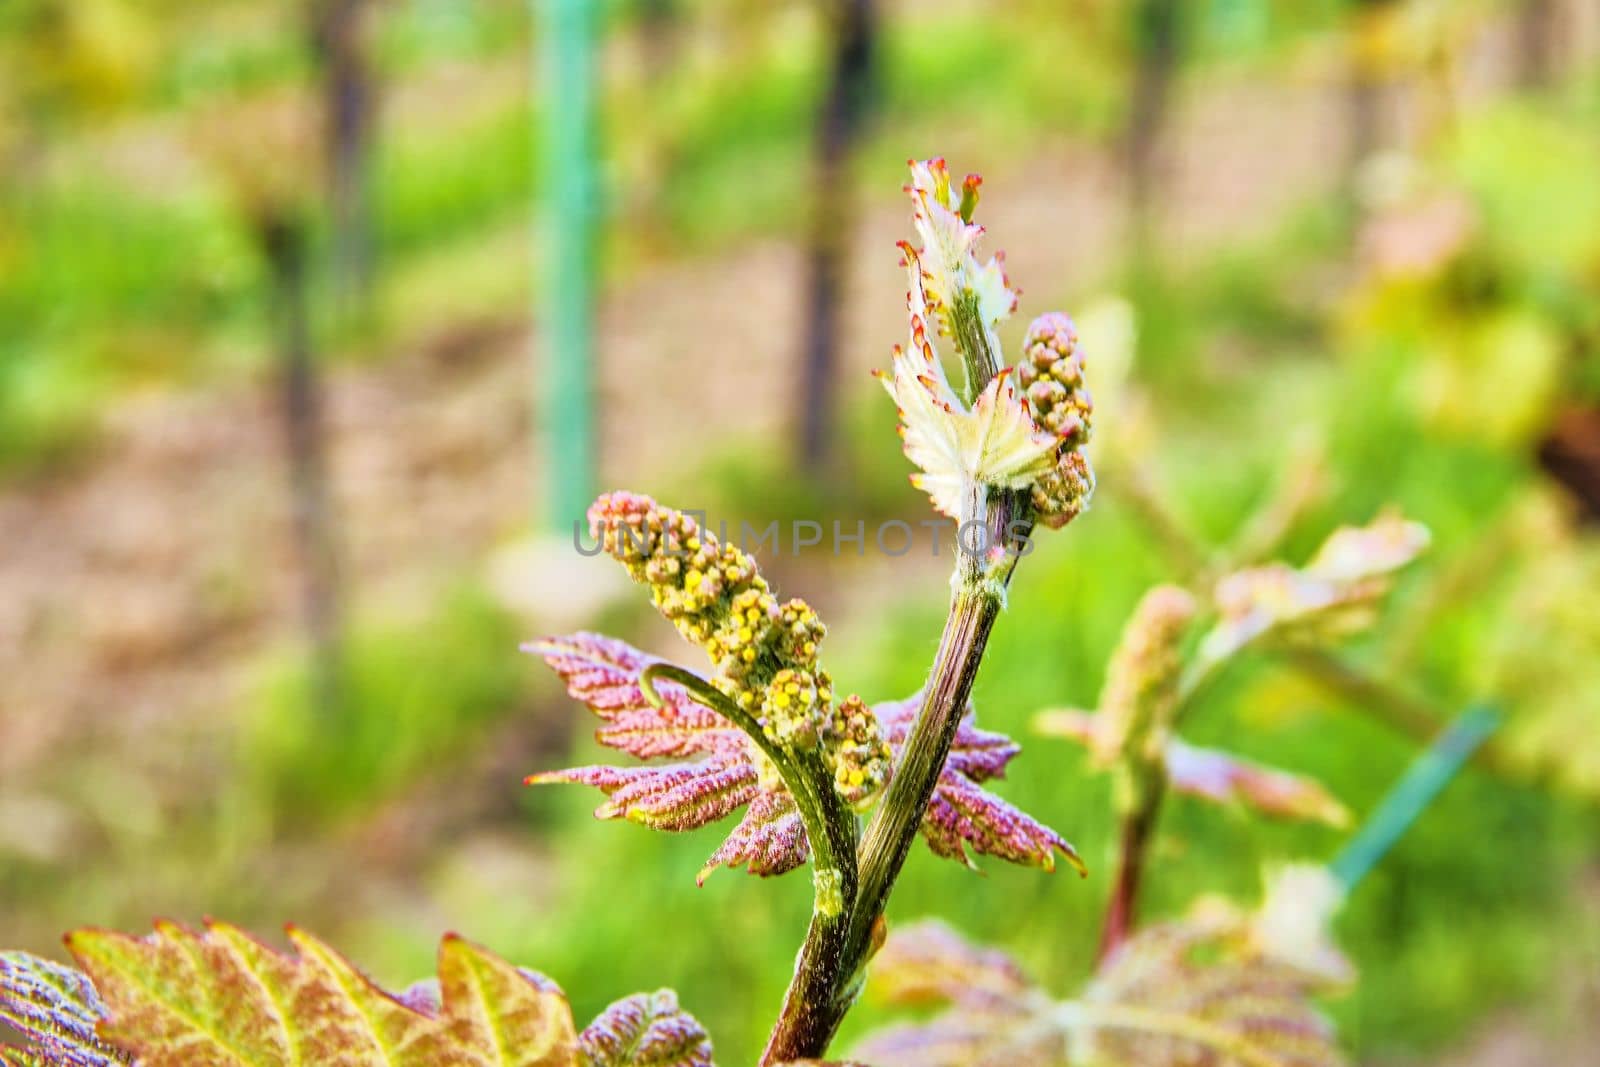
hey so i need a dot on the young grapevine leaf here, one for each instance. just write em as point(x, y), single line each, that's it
point(604, 674)
point(1197, 993)
point(994, 1014)
point(1224, 778)
point(996, 443)
point(1334, 594)
point(770, 839)
point(953, 276)
point(1175, 993)
point(56, 1009)
point(645, 1030)
point(995, 436)
point(962, 814)
point(1214, 775)
point(725, 771)
point(219, 998)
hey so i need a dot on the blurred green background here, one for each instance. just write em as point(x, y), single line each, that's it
point(276, 461)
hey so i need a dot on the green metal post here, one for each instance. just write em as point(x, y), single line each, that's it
point(568, 260)
point(1427, 775)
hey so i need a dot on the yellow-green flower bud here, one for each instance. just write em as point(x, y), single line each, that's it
point(857, 752)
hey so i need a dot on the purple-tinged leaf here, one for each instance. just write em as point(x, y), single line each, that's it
point(978, 754)
point(1215, 775)
point(769, 840)
point(603, 673)
point(675, 797)
point(57, 1009)
point(1225, 778)
point(645, 1030)
point(961, 814)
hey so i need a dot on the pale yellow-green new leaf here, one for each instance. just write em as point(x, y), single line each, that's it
point(217, 997)
point(961, 452)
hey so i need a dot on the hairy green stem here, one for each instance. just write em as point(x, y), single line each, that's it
point(979, 360)
point(830, 824)
point(888, 838)
point(830, 969)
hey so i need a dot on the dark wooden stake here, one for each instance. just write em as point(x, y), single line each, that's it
point(840, 120)
point(284, 242)
point(1157, 35)
point(339, 40)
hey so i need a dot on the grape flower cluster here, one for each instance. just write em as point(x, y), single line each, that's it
point(765, 653)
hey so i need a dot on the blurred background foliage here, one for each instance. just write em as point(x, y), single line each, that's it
point(1365, 233)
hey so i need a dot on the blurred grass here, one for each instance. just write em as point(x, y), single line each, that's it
point(415, 697)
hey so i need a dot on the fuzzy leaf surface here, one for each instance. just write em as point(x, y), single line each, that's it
point(603, 673)
point(718, 772)
point(970, 297)
point(964, 816)
point(995, 444)
point(645, 1030)
point(56, 1009)
point(217, 997)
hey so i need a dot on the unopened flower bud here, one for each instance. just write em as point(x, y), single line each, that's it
point(788, 712)
point(1061, 495)
point(857, 752)
point(1051, 374)
point(1141, 690)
